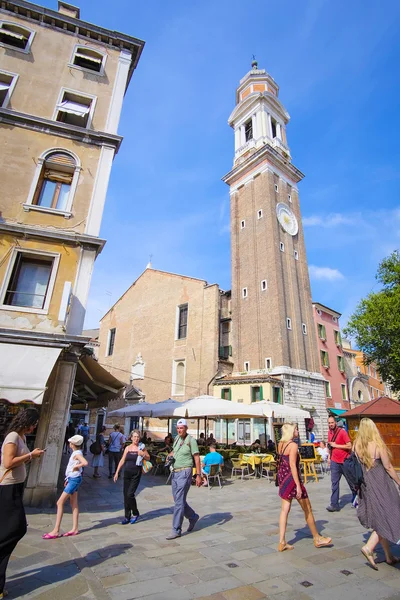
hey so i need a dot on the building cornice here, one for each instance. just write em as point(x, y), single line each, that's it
point(72, 237)
point(256, 159)
point(237, 380)
point(327, 310)
point(72, 132)
point(69, 25)
point(54, 340)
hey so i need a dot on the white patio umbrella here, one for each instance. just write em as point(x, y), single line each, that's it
point(141, 409)
point(282, 411)
point(205, 406)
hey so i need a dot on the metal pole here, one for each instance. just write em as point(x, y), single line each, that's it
point(265, 433)
point(227, 438)
point(198, 428)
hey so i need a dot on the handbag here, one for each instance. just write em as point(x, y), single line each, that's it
point(146, 466)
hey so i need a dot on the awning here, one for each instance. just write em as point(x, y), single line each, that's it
point(25, 371)
point(19, 36)
point(73, 108)
point(336, 411)
point(4, 86)
point(87, 57)
point(94, 384)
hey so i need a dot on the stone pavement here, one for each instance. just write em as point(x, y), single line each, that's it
point(230, 555)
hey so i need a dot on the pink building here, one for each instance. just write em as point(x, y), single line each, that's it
point(331, 358)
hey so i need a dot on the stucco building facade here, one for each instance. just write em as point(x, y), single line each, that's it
point(62, 83)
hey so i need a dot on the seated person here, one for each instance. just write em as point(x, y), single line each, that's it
point(211, 440)
point(271, 446)
point(256, 446)
point(168, 443)
point(323, 451)
point(201, 441)
point(212, 458)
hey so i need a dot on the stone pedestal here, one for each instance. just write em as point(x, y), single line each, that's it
point(41, 486)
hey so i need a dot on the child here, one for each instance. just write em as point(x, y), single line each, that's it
point(73, 479)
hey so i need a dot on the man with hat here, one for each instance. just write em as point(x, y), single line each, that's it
point(185, 449)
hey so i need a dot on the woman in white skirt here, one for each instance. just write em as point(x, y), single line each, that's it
point(98, 459)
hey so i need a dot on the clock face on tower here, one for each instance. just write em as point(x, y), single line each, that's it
point(287, 218)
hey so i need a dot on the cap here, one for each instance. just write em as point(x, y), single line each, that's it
point(77, 440)
point(182, 422)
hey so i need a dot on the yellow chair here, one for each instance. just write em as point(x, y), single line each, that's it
point(239, 466)
point(215, 473)
point(268, 465)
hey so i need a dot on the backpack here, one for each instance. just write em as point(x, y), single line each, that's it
point(353, 471)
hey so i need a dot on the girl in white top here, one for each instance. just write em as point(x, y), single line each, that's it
point(73, 479)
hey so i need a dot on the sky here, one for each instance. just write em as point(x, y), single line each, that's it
point(337, 65)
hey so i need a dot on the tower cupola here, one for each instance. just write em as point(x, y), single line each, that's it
point(259, 118)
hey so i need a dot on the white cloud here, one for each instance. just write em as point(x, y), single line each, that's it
point(331, 220)
point(325, 273)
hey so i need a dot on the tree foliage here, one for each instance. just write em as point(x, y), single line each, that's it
point(375, 324)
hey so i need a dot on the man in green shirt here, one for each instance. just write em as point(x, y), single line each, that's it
point(185, 449)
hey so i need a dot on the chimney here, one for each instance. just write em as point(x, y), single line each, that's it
point(69, 10)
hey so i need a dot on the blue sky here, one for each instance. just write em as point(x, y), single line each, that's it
point(337, 65)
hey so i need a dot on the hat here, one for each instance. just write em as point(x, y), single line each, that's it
point(182, 422)
point(77, 440)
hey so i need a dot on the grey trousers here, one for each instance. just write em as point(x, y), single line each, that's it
point(181, 482)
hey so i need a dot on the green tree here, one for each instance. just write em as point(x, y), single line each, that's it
point(375, 324)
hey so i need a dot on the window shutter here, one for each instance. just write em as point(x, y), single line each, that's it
point(230, 350)
point(222, 393)
point(61, 158)
point(261, 393)
point(230, 394)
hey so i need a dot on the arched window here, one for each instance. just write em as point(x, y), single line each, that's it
point(179, 380)
point(12, 34)
point(55, 182)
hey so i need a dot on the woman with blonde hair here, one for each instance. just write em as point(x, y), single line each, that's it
point(378, 499)
point(291, 487)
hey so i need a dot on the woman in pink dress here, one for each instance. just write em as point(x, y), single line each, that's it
point(291, 487)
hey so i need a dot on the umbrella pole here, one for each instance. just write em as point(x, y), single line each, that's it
point(168, 426)
point(227, 439)
point(198, 428)
point(142, 424)
point(265, 433)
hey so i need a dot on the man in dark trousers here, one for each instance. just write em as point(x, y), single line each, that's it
point(339, 446)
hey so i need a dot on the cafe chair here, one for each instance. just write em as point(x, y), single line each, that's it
point(239, 466)
point(268, 466)
point(215, 473)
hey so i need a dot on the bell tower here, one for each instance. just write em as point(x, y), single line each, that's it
point(272, 320)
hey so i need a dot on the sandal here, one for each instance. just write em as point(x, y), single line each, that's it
point(71, 533)
point(284, 546)
point(394, 561)
point(48, 536)
point(369, 556)
point(322, 542)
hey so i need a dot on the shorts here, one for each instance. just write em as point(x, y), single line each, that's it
point(73, 484)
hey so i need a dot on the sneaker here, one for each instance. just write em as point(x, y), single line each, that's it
point(134, 519)
point(192, 523)
point(125, 521)
point(173, 536)
point(331, 508)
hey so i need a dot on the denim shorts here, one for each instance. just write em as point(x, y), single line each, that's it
point(73, 484)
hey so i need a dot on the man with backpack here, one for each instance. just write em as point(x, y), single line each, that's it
point(339, 446)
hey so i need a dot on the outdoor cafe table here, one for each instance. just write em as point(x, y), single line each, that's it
point(255, 460)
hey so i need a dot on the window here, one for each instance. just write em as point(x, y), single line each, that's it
point(226, 394)
point(16, 36)
point(360, 396)
point(31, 280)
point(304, 328)
point(7, 84)
point(256, 393)
point(334, 319)
point(277, 395)
point(344, 391)
point(242, 224)
point(328, 392)
point(340, 361)
point(55, 182)
point(259, 214)
point(338, 337)
point(276, 187)
point(178, 378)
point(321, 332)
point(247, 366)
point(88, 58)
point(75, 109)
point(263, 285)
point(289, 197)
point(289, 323)
point(111, 341)
point(325, 359)
point(248, 130)
point(225, 352)
point(296, 255)
point(282, 247)
point(244, 292)
point(182, 321)
point(268, 363)
point(273, 127)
